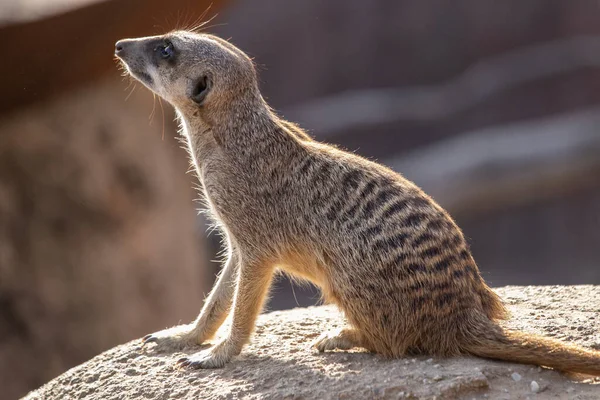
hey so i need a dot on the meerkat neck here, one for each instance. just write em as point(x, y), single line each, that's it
point(248, 132)
point(255, 133)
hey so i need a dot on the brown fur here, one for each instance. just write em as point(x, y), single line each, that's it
point(378, 247)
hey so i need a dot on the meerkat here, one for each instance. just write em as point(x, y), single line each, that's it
point(375, 244)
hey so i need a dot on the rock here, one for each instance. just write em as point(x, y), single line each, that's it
point(535, 387)
point(272, 371)
point(516, 377)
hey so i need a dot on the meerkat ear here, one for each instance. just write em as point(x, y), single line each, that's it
point(200, 90)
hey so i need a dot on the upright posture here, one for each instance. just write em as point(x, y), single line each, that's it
point(378, 247)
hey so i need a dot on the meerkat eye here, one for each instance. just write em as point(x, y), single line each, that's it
point(200, 90)
point(166, 50)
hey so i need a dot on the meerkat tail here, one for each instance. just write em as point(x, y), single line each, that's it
point(525, 348)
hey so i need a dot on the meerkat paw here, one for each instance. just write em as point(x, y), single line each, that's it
point(176, 338)
point(215, 357)
point(341, 339)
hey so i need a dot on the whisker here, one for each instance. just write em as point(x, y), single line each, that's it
point(181, 19)
point(191, 21)
point(205, 28)
point(202, 26)
point(178, 17)
point(131, 92)
point(162, 110)
point(294, 293)
point(196, 22)
point(151, 116)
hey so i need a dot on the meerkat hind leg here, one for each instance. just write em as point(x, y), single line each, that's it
point(342, 339)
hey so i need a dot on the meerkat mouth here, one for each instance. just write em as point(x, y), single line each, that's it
point(142, 76)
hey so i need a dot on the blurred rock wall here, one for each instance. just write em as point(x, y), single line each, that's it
point(99, 239)
point(312, 49)
point(311, 52)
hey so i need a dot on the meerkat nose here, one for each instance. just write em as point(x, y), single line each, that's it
point(120, 47)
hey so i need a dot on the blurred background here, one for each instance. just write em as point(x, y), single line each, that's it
point(490, 106)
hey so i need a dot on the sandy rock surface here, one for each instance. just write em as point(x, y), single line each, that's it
point(279, 363)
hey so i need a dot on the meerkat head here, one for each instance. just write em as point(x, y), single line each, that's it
point(196, 73)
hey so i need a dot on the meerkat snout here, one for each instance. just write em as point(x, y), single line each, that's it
point(131, 54)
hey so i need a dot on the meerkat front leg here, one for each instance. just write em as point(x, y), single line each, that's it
point(254, 279)
point(213, 313)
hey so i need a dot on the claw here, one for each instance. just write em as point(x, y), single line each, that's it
point(172, 339)
point(149, 339)
point(184, 362)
